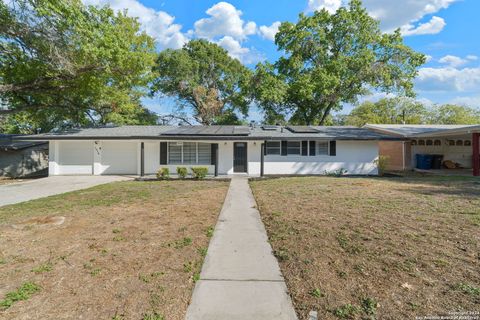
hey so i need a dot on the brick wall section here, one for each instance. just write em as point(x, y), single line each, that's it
point(393, 150)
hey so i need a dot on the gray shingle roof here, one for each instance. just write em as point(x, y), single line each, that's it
point(7, 143)
point(214, 133)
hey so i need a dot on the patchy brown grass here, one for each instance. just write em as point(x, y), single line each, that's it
point(5, 180)
point(125, 250)
point(365, 248)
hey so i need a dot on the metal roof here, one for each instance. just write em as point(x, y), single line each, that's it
point(213, 133)
point(418, 130)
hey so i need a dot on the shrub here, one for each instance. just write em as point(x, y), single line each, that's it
point(182, 172)
point(335, 173)
point(199, 172)
point(163, 174)
point(382, 163)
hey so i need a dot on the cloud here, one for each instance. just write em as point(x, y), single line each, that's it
point(396, 14)
point(269, 32)
point(158, 24)
point(469, 101)
point(330, 5)
point(235, 50)
point(453, 61)
point(448, 79)
point(471, 57)
point(224, 20)
point(434, 26)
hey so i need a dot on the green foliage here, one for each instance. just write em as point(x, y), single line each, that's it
point(182, 172)
point(346, 311)
point(388, 111)
point(205, 78)
point(382, 164)
point(179, 244)
point(22, 293)
point(454, 114)
point(331, 59)
point(317, 293)
point(468, 289)
point(67, 64)
point(199, 172)
point(46, 267)
point(163, 174)
point(408, 111)
point(335, 173)
point(369, 306)
point(153, 316)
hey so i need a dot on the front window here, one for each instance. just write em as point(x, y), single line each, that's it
point(322, 148)
point(189, 153)
point(273, 147)
point(294, 147)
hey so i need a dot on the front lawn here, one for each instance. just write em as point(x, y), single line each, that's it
point(375, 248)
point(126, 250)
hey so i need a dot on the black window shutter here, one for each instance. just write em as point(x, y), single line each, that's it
point(333, 148)
point(213, 153)
point(304, 148)
point(163, 153)
point(312, 148)
point(284, 148)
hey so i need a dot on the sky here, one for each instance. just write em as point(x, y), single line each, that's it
point(446, 31)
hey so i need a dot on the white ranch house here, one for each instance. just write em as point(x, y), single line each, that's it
point(225, 150)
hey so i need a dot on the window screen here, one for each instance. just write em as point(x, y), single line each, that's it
point(174, 153)
point(189, 153)
point(273, 147)
point(293, 147)
point(322, 148)
point(204, 153)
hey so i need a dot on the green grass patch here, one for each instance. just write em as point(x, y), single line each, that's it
point(46, 267)
point(23, 293)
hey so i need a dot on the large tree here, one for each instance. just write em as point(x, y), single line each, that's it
point(332, 59)
point(453, 114)
point(388, 111)
point(203, 77)
point(62, 60)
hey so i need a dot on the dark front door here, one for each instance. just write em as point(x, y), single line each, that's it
point(240, 157)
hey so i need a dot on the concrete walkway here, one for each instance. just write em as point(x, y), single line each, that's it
point(240, 278)
point(44, 187)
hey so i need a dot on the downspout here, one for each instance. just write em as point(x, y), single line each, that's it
point(216, 160)
point(403, 155)
point(262, 159)
point(142, 159)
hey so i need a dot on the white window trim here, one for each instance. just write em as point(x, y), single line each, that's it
point(317, 148)
point(280, 147)
point(182, 151)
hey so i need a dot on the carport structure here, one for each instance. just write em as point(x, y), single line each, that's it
point(458, 143)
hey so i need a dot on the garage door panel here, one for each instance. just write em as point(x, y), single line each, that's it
point(75, 157)
point(119, 157)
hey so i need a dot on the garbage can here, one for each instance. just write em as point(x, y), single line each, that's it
point(437, 161)
point(424, 161)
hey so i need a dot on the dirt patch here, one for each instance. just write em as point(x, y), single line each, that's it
point(49, 221)
point(126, 250)
point(366, 248)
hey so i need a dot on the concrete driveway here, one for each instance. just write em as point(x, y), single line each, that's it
point(39, 188)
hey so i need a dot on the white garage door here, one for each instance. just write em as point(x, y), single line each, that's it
point(119, 157)
point(75, 157)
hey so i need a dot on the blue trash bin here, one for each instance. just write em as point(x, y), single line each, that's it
point(424, 161)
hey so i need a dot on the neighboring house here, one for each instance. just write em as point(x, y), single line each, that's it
point(21, 159)
point(457, 143)
point(140, 150)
